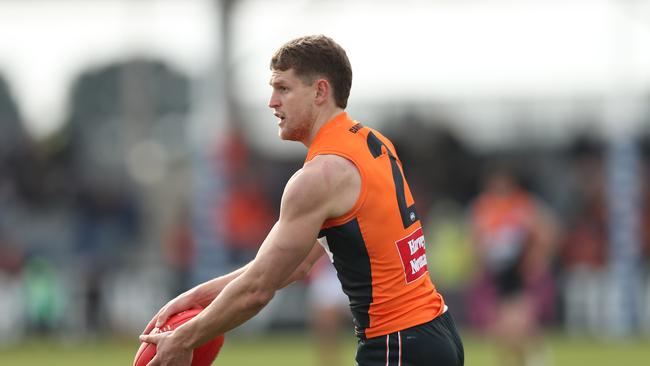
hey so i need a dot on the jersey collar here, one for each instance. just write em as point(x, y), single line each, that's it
point(331, 124)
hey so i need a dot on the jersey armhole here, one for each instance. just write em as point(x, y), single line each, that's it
point(336, 221)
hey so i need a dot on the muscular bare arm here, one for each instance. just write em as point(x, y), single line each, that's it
point(326, 187)
point(202, 295)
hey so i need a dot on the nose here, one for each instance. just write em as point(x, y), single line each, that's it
point(274, 102)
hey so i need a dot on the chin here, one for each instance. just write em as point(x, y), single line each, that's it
point(287, 135)
point(282, 134)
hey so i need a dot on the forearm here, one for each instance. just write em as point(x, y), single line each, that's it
point(243, 297)
point(239, 301)
point(305, 267)
point(206, 292)
point(289, 244)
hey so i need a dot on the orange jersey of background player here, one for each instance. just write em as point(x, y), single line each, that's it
point(378, 247)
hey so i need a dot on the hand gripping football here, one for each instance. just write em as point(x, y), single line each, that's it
point(202, 356)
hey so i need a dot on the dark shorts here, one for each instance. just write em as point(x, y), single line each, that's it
point(508, 282)
point(435, 343)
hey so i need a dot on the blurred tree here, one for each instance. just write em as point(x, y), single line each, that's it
point(13, 134)
point(14, 146)
point(116, 107)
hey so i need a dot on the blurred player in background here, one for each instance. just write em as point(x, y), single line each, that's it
point(328, 312)
point(351, 195)
point(514, 237)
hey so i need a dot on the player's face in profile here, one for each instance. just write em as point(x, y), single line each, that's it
point(292, 101)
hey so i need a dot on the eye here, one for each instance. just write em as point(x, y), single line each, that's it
point(283, 89)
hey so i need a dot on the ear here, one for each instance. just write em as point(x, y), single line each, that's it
point(323, 91)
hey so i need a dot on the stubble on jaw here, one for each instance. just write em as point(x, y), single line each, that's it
point(298, 133)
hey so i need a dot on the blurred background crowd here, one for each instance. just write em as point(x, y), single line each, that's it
point(155, 178)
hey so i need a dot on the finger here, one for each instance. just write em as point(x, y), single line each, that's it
point(152, 322)
point(150, 338)
point(150, 325)
point(162, 317)
point(166, 312)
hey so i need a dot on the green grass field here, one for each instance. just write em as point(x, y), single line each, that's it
point(296, 349)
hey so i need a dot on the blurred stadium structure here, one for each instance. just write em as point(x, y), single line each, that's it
point(137, 154)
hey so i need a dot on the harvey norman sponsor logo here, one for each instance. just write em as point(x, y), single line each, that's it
point(413, 254)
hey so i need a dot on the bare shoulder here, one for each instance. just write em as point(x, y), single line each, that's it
point(334, 169)
point(329, 181)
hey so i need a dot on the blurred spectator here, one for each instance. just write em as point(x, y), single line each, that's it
point(584, 248)
point(11, 256)
point(11, 301)
point(43, 296)
point(449, 253)
point(645, 234)
point(12, 308)
point(329, 312)
point(247, 211)
point(249, 218)
point(645, 178)
point(514, 238)
point(179, 253)
point(107, 221)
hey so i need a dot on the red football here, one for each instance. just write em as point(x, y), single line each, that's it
point(202, 356)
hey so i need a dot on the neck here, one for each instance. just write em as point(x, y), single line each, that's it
point(321, 119)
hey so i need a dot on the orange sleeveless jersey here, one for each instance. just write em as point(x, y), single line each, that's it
point(378, 247)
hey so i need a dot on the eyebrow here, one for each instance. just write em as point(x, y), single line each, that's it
point(276, 82)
